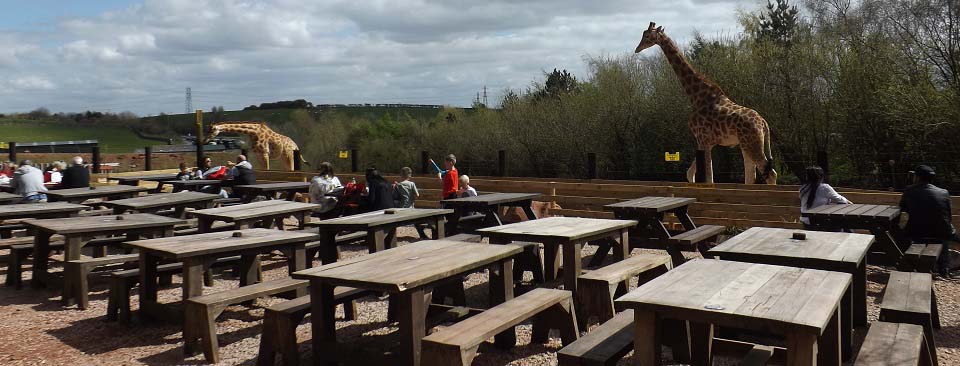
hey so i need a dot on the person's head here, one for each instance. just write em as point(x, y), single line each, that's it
point(183, 166)
point(60, 165)
point(406, 172)
point(449, 162)
point(925, 174)
point(207, 162)
point(814, 175)
point(326, 169)
point(77, 160)
point(26, 162)
point(241, 158)
point(464, 180)
point(373, 175)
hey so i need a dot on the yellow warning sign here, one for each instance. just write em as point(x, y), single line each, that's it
point(344, 154)
point(671, 157)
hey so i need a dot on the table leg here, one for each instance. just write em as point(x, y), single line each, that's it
point(193, 269)
point(492, 218)
point(889, 244)
point(249, 269)
point(551, 261)
point(801, 349)
point(646, 343)
point(297, 261)
point(74, 282)
point(453, 221)
point(119, 210)
point(501, 290)
point(684, 218)
point(830, 349)
point(180, 212)
point(846, 323)
point(412, 311)
point(390, 241)
point(701, 344)
point(621, 245)
point(148, 281)
point(439, 231)
point(41, 256)
point(328, 246)
point(278, 222)
point(301, 220)
point(571, 265)
point(204, 224)
point(322, 323)
point(376, 240)
point(528, 210)
point(859, 286)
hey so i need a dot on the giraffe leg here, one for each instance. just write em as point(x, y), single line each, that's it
point(692, 172)
point(266, 159)
point(749, 170)
point(708, 163)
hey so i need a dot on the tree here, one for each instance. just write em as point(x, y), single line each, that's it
point(558, 83)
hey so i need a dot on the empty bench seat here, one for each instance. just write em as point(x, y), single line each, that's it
point(696, 240)
point(909, 298)
point(604, 346)
point(201, 312)
point(596, 289)
point(920, 258)
point(469, 238)
point(75, 283)
point(457, 344)
point(894, 344)
point(280, 323)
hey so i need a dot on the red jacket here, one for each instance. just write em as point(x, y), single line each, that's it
point(451, 183)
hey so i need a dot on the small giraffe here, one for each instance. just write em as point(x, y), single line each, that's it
point(266, 143)
point(716, 120)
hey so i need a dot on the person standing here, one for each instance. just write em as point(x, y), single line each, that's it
point(449, 177)
point(76, 176)
point(929, 215)
point(28, 183)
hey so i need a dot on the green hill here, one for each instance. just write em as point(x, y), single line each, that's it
point(112, 139)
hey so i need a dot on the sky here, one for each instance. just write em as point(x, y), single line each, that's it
point(140, 56)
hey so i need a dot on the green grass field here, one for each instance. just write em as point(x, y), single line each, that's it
point(113, 139)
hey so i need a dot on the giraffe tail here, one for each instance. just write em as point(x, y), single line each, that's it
point(304, 161)
point(768, 149)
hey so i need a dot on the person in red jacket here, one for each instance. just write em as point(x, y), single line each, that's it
point(450, 178)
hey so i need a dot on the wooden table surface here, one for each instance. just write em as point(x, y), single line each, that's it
point(251, 191)
point(852, 214)
point(883, 221)
point(147, 177)
point(800, 303)
point(372, 219)
point(253, 210)
point(9, 197)
point(220, 242)
point(37, 210)
point(489, 205)
point(80, 194)
point(160, 200)
point(94, 224)
point(651, 205)
point(381, 228)
point(491, 199)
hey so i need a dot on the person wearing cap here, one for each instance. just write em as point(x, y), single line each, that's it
point(929, 214)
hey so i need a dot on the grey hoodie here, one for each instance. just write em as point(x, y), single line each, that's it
point(28, 181)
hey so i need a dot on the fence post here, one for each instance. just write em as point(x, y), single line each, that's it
point(199, 137)
point(13, 152)
point(296, 161)
point(823, 162)
point(244, 153)
point(354, 162)
point(148, 158)
point(502, 163)
point(96, 159)
point(424, 162)
point(591, 166)
point(701, 162)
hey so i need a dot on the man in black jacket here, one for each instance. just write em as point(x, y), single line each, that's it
point(929, 214)
point(76, 176)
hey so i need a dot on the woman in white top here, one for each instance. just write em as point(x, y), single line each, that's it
point(323, 184)
point(816, 193)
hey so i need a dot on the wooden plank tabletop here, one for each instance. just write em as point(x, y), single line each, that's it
point(556, 229)
point(28, 210)
point(651, 204)
point(279, 186)
point(491, 199)
point(378, 218)
point(194, 182)
point(147, 177)
point(256, 209)
point(94, 192)
point(880, 213)
point(161, 200)
point(9, 197)
point(409, 266)
point(744, 295)
point(103, 223)
point(776, 246)
point(220, 242)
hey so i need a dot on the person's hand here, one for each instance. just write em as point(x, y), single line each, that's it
point(440, 175)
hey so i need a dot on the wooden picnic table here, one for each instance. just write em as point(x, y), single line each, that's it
point(408, 273)
point(49, 210)
point(489, 205)
point(649, 212)
point(196, 184)
point(6, 188)
point(198, 252)
point(839, 252)
point(153, 203)
point(381, 228)
point(134, 180)
point(7, 198)
point(77, 231)
point(79, 195)
point(270, 190)
point(883, 221)
point(244, 216)
point(799, 303)
point(569, 232)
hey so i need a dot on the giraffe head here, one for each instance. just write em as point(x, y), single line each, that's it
point(212, 132)
point(767, 175)
point(652, 36)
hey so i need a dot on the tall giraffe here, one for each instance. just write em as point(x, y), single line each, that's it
point(716, 120)
point(266, 143)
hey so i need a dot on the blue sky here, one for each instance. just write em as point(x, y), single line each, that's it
point(139, 56)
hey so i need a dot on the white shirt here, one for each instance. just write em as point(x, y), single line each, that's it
point(826, 195)
point(319, 187)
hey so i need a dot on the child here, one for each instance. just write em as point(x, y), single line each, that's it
point(185, 173)
point(405, 192)
point(465, 189)
point(449, 176)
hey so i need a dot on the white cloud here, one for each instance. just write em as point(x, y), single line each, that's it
point(239, 52)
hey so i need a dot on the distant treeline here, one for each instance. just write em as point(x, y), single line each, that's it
point(302, 104)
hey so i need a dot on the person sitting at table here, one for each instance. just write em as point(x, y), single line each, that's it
point(379, 192)
point(321, 187)
point(28, 183)
point(465, 189)
point(405, 195)
point(184, 173)
point(52, 175)
point(76, 176)
point(815, 193)
point(208, 171)
point(243, 173)
point(929, 215)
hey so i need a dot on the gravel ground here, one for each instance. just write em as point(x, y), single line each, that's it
point(36, 330)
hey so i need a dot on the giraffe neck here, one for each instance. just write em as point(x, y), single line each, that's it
point(697, 88)
point(252, 129)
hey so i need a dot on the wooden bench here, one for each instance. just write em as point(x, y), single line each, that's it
point(217, 226)
point(18, 258)
point(220, 202)
point(75, 283)
point(604, 346)
point(894, 344)
point(910, 298)
point(457, 345)
point(280, 323)
point(469, 238)
point(696, 240)
point(920, 258)
point(597, 289)
point(201, 312)
point(121, 282)
point(758, 356)
point(351, 238)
